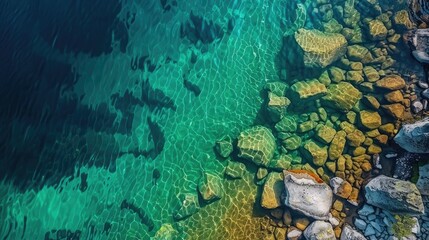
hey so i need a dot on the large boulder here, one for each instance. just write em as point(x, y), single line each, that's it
point(320, 49)
point(319, 230)
point(307, 194)
point(414, 137)
point(257, 144)
point(349, 233)
point(342, 96)
point(396, 196)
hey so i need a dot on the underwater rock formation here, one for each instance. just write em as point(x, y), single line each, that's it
point(320, 49)
point(257, 144)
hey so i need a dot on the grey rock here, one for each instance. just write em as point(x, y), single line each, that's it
point(360, 224)
point(376, 226)
point(423, 181)
point(414, 137)
point(319, 230)
point(349, 233)
point(366, 210)
point(306, 195)
point(371, 217)
point(394, 195)
point(369, 230)
point(416, 106)
point(425, 94)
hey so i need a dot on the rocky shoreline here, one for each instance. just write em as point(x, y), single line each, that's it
point(331, 127)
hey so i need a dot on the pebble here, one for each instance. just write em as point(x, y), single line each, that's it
point(391, 155)
point(423, 84)
point(416, 106)
point(425, 104)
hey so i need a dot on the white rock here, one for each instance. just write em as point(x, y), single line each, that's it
point(304, 194)
point(319, 230)
point(334, 222)
point(335, 183)
point(348, 233)
point(294, 234)
point(416, 227)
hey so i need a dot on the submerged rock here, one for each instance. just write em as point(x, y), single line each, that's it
point(391, 82)
point(235, 170)
point(224, 146)
point(414, 137)
point(257, 144)
point(307, 90)
point(394, 195)
point(166, 232)
point(315, 152)
point(210, 187)
point(319, 230)
point(272, 191)
point(320, 49)
point(307, 195)
point(188, 206)
point(342, 96)
point(277, 106)
point(349, 233)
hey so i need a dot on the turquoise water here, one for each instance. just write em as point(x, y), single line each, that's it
point(176, 139)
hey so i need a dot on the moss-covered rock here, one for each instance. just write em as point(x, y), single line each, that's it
point(391, 82)
point(337, 145)
point(257, 144)
point(306, 90)
point(315, 152)
point(320, 49)
point(325, 134)
point(370, 119)
point(342, 96)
